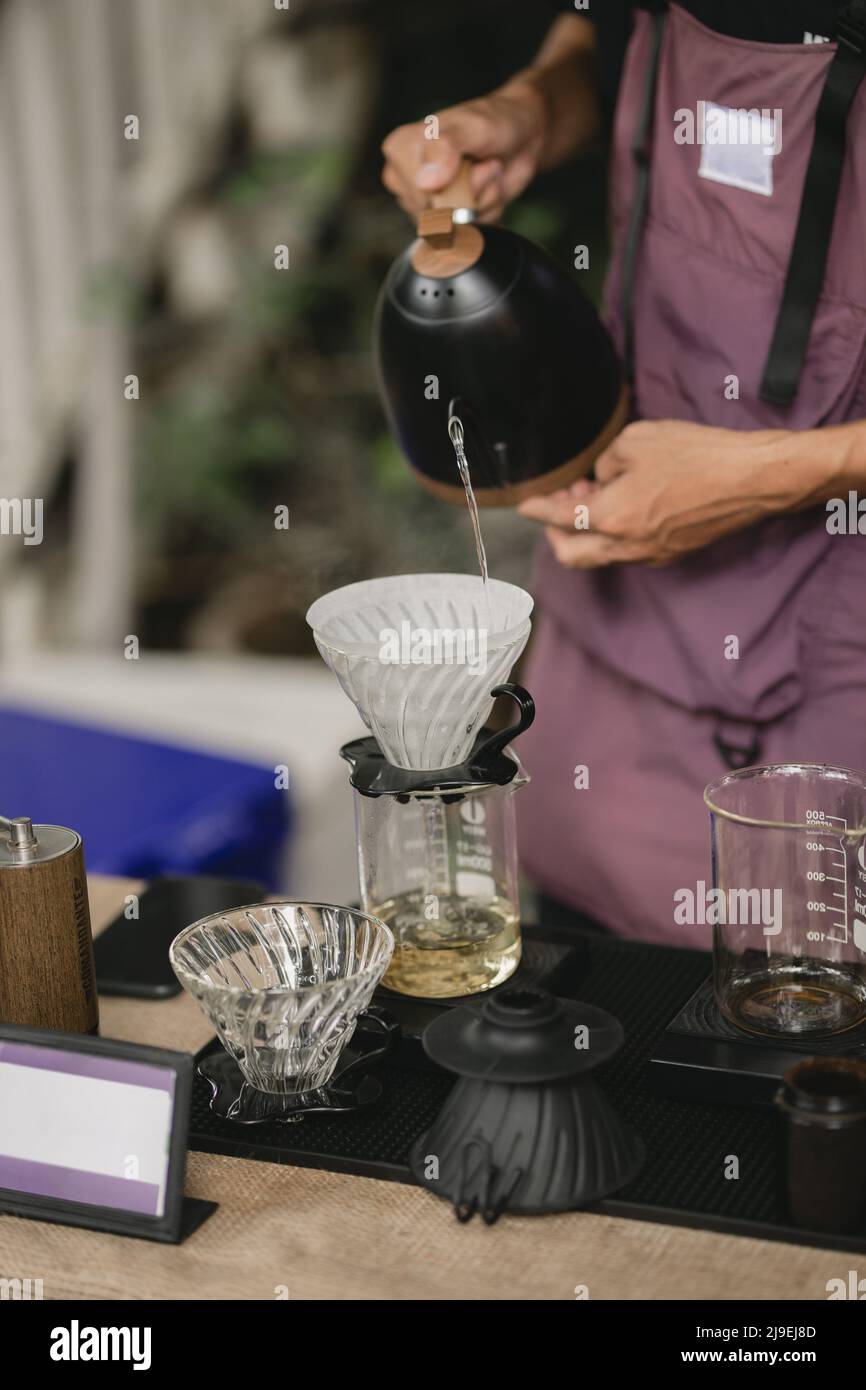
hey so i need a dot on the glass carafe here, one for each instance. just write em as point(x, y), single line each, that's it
point(441, 871)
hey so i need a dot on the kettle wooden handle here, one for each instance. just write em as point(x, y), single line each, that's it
point(436, 222)
point(445, 248)
point(458, 193)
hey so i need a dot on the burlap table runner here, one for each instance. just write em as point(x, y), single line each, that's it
point(295, 1232)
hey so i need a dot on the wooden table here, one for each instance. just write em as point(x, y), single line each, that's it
point(292, 1232)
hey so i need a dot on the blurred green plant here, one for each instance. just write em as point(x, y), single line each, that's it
point(111, 294)
point(314, 176)
point(206, 459)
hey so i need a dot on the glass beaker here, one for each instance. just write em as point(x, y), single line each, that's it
point(440, 869)
point(789, 898)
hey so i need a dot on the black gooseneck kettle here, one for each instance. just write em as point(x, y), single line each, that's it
point(477, 323)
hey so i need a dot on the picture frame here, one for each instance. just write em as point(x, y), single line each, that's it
point(82, 1053)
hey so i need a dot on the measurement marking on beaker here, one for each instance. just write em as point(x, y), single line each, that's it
point(818, 823)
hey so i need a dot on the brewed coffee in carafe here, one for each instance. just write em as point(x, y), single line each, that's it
point(441, 871)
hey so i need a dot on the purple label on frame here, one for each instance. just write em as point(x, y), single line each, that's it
point(88, 1064)
point(73, 1185)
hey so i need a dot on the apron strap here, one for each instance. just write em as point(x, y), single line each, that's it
point(808, 260)
point(640, 149)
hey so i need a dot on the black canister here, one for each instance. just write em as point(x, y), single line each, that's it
point(823, 1103)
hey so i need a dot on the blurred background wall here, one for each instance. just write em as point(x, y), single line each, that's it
point(164, 387)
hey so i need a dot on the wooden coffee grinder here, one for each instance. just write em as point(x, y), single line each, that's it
point(47, 975)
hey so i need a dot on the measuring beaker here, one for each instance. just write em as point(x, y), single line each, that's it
point(789, 898)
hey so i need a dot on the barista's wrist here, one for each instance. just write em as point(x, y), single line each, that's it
point(559, 89)
point(802, 468)
point(525, 91)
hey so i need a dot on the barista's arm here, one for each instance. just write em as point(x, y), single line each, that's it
point(666, 487)
point(538, 118)
point(564, 77)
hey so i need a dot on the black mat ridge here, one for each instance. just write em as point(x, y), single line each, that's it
point(688, 1146)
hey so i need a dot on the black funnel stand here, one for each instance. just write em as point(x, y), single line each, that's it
point(527, 1128)
point(487, 764)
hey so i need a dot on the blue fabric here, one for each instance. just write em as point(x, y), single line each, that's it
point(144, 808)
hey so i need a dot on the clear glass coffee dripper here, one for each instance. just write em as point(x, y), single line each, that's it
point(284, 984)
point(789, 878)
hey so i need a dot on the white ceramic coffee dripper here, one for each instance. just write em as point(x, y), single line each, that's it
point(418, 655)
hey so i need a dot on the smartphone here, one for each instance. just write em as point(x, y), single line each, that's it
point(132, 953)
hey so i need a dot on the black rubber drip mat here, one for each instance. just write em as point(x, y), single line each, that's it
point(702, 1057)
point(689, 1146)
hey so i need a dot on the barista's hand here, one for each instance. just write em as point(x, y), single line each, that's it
point(666, 487)
point(503, 133)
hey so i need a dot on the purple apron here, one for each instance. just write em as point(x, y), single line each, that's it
point(630, 665)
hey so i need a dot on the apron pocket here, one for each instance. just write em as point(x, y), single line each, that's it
point(707, 366)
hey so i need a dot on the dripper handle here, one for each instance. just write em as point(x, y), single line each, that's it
point(502, 737)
